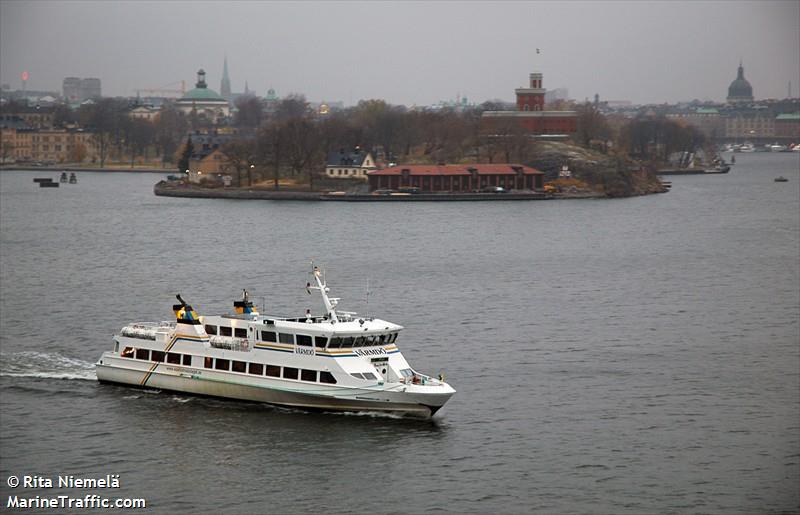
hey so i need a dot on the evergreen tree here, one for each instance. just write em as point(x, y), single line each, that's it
point(188, 149)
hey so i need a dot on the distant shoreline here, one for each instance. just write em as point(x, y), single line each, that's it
point(50, 169)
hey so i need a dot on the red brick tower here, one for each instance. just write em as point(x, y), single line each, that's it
point(531, 98)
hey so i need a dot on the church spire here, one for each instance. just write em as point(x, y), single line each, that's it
point(225, 83)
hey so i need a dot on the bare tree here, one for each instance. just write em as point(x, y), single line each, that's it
point(303, 149)
point(240, 155)
point(249, 112)
point(170, 128)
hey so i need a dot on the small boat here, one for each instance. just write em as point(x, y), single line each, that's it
point(63, 177)
point(72, 178)
point(781, 179)
point(48, 184)
point(42, 179)
point(335, 361)
point(720, 168)
point(747, 147)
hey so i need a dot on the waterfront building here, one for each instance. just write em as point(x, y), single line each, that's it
point(208, 159)
point(787, 127)
point(206, 103)
point(25, 144)
point(740, 90)
point(530, 116)
point(208, 165)
point(750, 124)
point(347, 165)
point(457, 178)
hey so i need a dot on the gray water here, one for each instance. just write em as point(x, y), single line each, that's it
point(635, 355)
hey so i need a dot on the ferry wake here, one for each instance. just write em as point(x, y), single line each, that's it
point(336, 361)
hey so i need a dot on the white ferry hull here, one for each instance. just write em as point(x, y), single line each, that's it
point(190, 384)
point(331, 362)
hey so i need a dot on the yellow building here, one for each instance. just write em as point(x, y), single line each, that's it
point(46, 145)
point(208, 166)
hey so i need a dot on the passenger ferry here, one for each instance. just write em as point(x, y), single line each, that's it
point(336, 361)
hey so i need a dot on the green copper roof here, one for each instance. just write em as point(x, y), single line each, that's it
point(201, 94)
point(706, 110)
point(793, 116)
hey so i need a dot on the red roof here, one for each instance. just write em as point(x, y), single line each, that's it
point(448, 170)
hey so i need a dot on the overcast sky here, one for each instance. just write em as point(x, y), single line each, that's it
point(409, 53)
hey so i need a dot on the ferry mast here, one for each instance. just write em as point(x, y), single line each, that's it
point(322, 287)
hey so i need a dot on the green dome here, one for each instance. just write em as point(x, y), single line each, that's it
point(202, 94)
point(740, 89)
point(201, 91)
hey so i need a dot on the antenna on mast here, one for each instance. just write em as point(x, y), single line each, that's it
point(322, 287)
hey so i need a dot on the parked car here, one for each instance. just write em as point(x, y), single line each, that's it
point(383, 192)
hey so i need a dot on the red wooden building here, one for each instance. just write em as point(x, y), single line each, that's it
point(456, 178)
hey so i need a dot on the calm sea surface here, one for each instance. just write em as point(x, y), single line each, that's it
point(637, 355)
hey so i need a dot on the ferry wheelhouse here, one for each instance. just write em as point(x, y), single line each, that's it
point(335, 361)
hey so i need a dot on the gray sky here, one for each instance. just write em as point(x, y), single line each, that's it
point(409, 53)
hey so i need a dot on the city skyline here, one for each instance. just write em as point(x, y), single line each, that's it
point(410, 53)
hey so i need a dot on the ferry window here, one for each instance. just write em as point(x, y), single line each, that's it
point(289, 373)
point(359, 342)
point(347, 342)
point(225, 331)
point(240, 332)
point(127, 352)
point(116, 346)
point(357, 375)
point(369, 375)
point(285, 338)
point(382, 339)
point(157, 355)
point(304, 339)
point(211, 329)
point(370, 341)
point(257, 369)
point(142, 354)
point(268, 336)
point(393, 338)
point(174, 358)
point(273, 371)
point(239, 366)
point(407, 372)
point(209, 363)
point(222, 364)
point(327, 377)
point(335, 343)
point(187, 360)
point(320, 341)
point(308, 375)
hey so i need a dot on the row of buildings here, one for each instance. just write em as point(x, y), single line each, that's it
point(22, 143)
point(741, 118)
